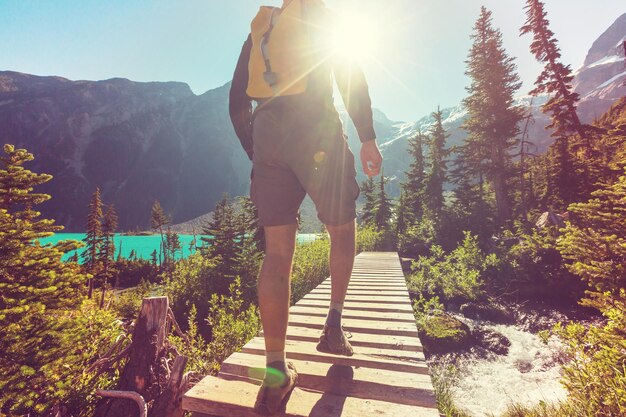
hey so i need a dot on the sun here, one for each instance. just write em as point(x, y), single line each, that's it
point(354, 36)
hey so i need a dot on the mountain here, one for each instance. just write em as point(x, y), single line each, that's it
point(138, 142)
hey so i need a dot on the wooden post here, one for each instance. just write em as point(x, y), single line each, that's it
point(170, 402)
point(141, 372)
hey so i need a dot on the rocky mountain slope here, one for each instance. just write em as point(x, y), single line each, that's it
point(136, 141)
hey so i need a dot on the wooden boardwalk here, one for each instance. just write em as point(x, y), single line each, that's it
point(386, 376)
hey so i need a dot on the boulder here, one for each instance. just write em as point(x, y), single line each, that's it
point(443, 333)
point(489, 312)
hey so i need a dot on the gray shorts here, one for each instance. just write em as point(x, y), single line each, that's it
point(300, 149)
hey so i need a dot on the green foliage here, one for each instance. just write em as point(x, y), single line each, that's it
point(368, 214)
point(595, 376)
point(129, 273)
point(444, 378)
point(368, 239)
point(382, 215)
point(310, 267)
point(127, 303)
point(232, 324)
point(594, 241)
point(437, 176)
point(459, 274)
point(37, 290)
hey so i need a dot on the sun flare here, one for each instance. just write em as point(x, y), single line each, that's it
point(354, 36)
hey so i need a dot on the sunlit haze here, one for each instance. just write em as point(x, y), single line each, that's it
point(413, 50)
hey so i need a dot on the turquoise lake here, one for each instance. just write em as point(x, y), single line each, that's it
point(145, 245)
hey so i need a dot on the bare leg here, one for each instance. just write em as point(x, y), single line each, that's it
point(274, 284)
point(342, 251)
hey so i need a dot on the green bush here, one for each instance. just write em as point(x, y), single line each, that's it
point(368, 239)
point(310, 267)
point(457, 275)
point(233, 325)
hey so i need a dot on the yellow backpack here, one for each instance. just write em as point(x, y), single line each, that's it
point(282, 54)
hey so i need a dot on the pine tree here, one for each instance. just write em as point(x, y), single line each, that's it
point(492, 122)
point(223, 232)
point(107, 248)
point(153, 258)
point(93, 238)
point(594, 242)
point(369, 208)
point(413, 188)
point(555, 80)
point(158, 219)
point(36, 288)
point(401, 214)
point(437, 161)
point(172, 244)
point(382, 215)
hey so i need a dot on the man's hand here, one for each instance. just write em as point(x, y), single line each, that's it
point(371, 159)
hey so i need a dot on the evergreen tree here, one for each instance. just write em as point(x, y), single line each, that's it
point(401, 214)
point(107, 249)
point(437, 161)
point(382, 215)
point(492, 122)
point(595, 243)
point(223, 232)
point(369, 208)
point(93, 238)
point(36, 288)
point(172, 244)
point(153, 258)
point(158, 220)
point(413, 188)
point(555, 80)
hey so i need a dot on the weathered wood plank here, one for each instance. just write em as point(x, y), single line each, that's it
point(213, 396)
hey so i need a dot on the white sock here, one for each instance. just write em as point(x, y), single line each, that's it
point(272, 357)
point(334, 314)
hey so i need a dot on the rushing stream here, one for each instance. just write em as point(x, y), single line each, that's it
point(485, 384)
point(528, 374)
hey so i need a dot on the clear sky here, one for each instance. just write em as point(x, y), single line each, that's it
point(417, 63)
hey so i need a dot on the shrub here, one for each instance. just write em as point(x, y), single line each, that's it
point(232, 324)
point(310, 267)
point(457, 275)
point(368, 239)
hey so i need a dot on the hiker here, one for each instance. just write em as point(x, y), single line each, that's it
point(295, 140)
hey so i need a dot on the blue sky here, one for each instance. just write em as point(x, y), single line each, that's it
point(418, 64)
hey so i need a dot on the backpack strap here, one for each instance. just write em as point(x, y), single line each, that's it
point(270, 77)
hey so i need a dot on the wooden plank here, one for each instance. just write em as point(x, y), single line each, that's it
point(358, 325)
point(359, 382)
point(323, 304)
point(213, 396)
point(359, 339)
point(294, 347)
point(405, 317)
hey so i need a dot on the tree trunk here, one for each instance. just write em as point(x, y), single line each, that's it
point(141, 372)
point(170, 402)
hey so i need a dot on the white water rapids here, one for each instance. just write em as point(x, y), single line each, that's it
point(527, 375)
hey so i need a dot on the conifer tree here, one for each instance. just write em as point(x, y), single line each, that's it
point(492, 122)
point(93, 238)
point(555, 80)
point(413, 188)
point(223, 232)
point(36, 288)
point(437, 161)
point(158, 220)
point(107, 248)
point(153, 258)
point(382, 214)
point(594, 243)
point(401, 213)
point(172, 244)
point(369, 208)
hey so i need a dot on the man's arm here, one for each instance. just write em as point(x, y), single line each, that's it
point(240, 106)
point(355, 93)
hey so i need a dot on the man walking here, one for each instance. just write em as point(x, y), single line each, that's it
point(295, 140)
